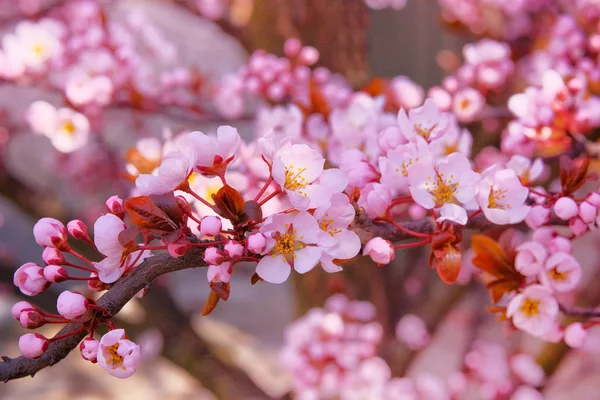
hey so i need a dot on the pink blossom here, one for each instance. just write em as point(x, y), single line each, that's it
point(33, 345)
point(526, 393)
point(530, 258)
point(407, 93)
point(399, 160)
point(219, 273)
point(170, 175)
point(380, 251)
point(291, 243)
point(213, 256)
point(537, 216)
point(67, 129)
point(119, 356)
point(115, 206)
point(359, 170)
point(29, 278)
point(78, 229)
point(19, 307)
point(426, 121)
point(565, 208)
point(55, 273)
point(53, 256)
point(73, 306)
point(51, 233)
point(534, 310)
point(256, 243)
point(336, 241)
point(412, 331)
point(578, 227)
point(527, 369)
point(233, 249)
point(89, 349)
point(527, 170)
point(34, 44)
point(587, 212)
point(502, 197)
point(210, 226)
point(562, 272)
point(467, 104)
point(491, 60)
point(214, 153)
point(298, 169)
point(376, 199)
point(281, 121)
point(575, 335)
point(449, 184)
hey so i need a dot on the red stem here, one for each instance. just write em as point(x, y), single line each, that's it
point(82, 258)
point(408, 231)
point(66, 335)
point(413, 244)
point(262, 190)
point(269, 197)
point(200, 199)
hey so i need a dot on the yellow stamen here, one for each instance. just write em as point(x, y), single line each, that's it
point(530, 307)
point(114, 358)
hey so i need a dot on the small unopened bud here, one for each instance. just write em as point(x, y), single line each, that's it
point(575, 335)
point(49, 232)
point(210, 226)
point(78, 229)
point(73, 306)
point(20, 307)
point(213, 256)
point(380, 251)
point(565, 208)
point(52, 256)
point(179, 248)
point(33, 345)
point(55, 273)
point(89, 349)
point(256, 243)
point(32, 319)
point(115, 206)
point(233, 249)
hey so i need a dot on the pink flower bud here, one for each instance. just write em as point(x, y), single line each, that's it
point(575, 335)
point(32, 319)
point(115, 206)
point(256, 243)
point(538, 216)
point(52, 256)
point(49, 232)
point(179, 248)
point(233, 249)
point(308, 55)
point(213, 256)
point(210, 226)
point(577, 226)
point(20, 307)
point(380, 251)
point(30, 279)
point(412, 331)
point(89, 349)
point(389, 139)
point(55, 273)
point(33, 345)
point(219, 273)
point(292, 47)
point(594, 199)
point(73, 306)
point(587, 212)
point(565, 208)
point(415, 211)
point(530, 258)
point(376, 199)
point(78, 229)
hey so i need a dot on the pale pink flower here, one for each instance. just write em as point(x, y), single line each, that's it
point(407, 94)
point(534, 310)
point(33, 345)
point(562, 272)
point(73, 306)
point(291, 243)
point(527, 369)
point(119, 356)
point(280, 121)
point(336, 241)
point(29, 278)
point(219, 273)
point(412, 331)
point(89, 349)
point(298, 169)
point(67, 129)
point(426, 121)
point(491, 60)
point(395, 166)
point(530, 258)
point(360, 172)
point(215, 153)
point(575, 335)
point(84, 88)
point(449, 184)
point(380, 250)
point(502, 197)
point(526, 393)
point(34, 44)
point(455, 140)
point(49, 232)
point(170, 175)
point(467, 104)
point(376, 199)
point(525, 169)
point(537, 216)
point(566, 208)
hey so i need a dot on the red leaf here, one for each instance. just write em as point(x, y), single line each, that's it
point(145, 214)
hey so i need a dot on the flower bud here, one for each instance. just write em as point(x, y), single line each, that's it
point(32, 319)
point(538, 216)
point(33, 345)
point(73, 306)
point(52, 256)
point(530, 258)
point(20, 307)
point(233, 249)
point(292, 47)
point(78, 229)
point(256, 243)
point(115, 206)
point(49, 232)
point(89, 349)
point(308, 55)
point(179, 248)
point(55, 273)
point(380, 251)
point(30, 279)
point(416, 212)
point(575, 335)
point(213, 256)
point(577, 226)
point(565, 208)
point(219, 273)
point(594, 199)
point(210, 226)
point(587, 212)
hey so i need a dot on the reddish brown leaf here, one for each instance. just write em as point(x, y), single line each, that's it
point(448, 264)
point(573, 173)
point(255, 279)
point(145, 214)
point(230, 204)
point(221, 288)
point(490, 256)
point(211, 302)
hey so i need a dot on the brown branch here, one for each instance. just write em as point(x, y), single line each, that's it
point(113, 300)
point(580, 312)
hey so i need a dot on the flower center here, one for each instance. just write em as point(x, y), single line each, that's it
point(450, 148)
point(530, 307)
point(424, 131)
point(495, 199)
point(69, 128)
point(326, 225)
point(464, 104)
point(38, 49)
point(114, 358)
point(442, 190)
point(557, 276)
point(294, 180)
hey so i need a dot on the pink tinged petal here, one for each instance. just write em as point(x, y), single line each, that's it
point(453, 212)
point(229, 141)
point(347, 245)
point(307, 258)
point(467, 186)
point(106, 235)
point(328, 265)
point(273, 269)
point(109, 269)
point(306, 226)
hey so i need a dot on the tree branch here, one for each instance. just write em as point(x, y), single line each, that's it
point(581, 312)
point(113, 300)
